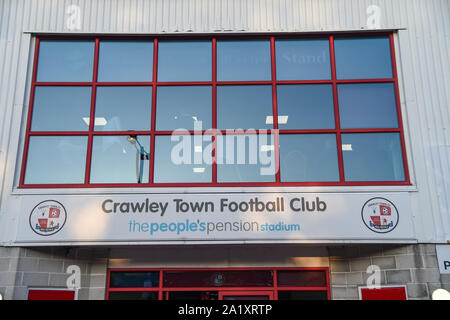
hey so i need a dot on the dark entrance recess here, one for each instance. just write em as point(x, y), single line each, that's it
point(219, 284)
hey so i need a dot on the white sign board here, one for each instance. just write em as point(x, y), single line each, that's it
point(443, 256)
point(150, 218)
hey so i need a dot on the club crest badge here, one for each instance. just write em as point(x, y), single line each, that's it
point(380, 215)
point(48, 217)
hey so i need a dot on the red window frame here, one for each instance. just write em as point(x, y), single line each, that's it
point(161, 289)
point(338, 131)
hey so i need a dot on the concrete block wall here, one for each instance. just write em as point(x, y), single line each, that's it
point(412, 265)
point(22, 268)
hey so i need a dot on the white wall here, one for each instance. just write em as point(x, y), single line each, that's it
point(423, 55)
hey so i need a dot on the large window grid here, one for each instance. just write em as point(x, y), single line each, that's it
point(214, 84)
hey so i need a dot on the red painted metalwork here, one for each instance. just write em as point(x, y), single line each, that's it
point(273, 289)
point(213, 131)
point(336, 112)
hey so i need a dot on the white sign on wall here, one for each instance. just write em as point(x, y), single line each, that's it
point(443, 256)
point(215, 217)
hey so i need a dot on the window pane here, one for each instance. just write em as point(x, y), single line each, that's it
point(183, 158)
point(184, 61)
point(373, 157)
point(302, 295)
point(254, 278)
point(303, 59)
point(126, 279)
point(115, 159)
point(243, 60)
point(246, 158)
point(244, 107)
point(133, 295)
point(66, 61)
point(56, 159)
point(123, 61)
point(367, 105)
point(305, 107)
point(184, 108)
point(308, 157)
point(61, 109)
point(363, 58)
point(193, 295)
point(295, 278)
point(123, 108)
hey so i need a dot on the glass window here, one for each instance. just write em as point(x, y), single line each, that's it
point(302, 295)
point(367, 105)
point(61, 109)
point(125, 61)
point(129, 295)
point(193, 295)
point(303, 59)
point(243, 60)
point(119, 159)
point(225, 278)
point(363, 58)
point(184, 61)
point(305, 106)
point(183, 159)
point(65, 61)
point(123, 108)
point(128, 279)
point(56, 159)
point(246, 158)
point(183, 107)
point(372, 157)
point(244, 107)
point(296, 278)
point(308, 158)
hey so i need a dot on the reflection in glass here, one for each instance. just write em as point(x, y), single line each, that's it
point(116, 159)
point(302, 295)
point(65, 61)
point(373, 157)
point(296, 278)
point(303, 59)
point(184, 60)
point(123, 108)
point(367, 105)
point(130, 295)
point(243, 60)
point(61, 108)
point(246, 158)
point(222, 278)
point(193, 295)
point(363, 58)
point(134, 279)
point(56, 159)
point(124, 61)
point(179, 107)
point(183, 159)
point(244, 107)
point(308, 158)
point(305, 106)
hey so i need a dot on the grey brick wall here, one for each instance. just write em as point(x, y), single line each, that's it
point(22, 268)
point(412, 265)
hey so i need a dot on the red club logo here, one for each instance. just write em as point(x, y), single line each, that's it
point(380, 215)
point(48, 217)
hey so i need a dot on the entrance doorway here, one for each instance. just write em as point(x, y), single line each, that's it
point(219, 284)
